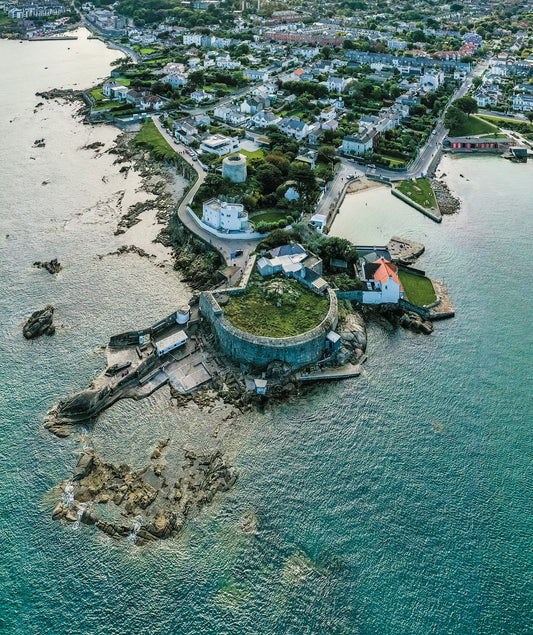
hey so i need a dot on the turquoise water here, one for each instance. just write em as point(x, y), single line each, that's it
point(396, 503)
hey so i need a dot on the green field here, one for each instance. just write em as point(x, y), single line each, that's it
point(255, 154)
point(149, 137)
point(256, 310)
point(108, 105)
point(419, 191)
point(417, 289)
point(97, 95)
point(473, 126)
point(268, 216)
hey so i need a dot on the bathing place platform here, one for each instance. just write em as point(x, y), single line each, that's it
point(341, 372)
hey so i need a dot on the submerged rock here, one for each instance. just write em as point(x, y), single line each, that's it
point(40, 323)
point(52, 266)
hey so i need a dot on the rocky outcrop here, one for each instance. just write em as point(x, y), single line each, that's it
point(155, 501)
point(353, 339)
point(40, 323)
point(414, 322)
point(128, 249)
point(52, 266)
point(448, 204)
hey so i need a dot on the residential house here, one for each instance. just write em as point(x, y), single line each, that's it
point(293, 127)
point(227, 217)
point(432, 78)
point(185, 131)
point(265, 118)
point(149, 101)
point(382, 281)
point(256, 75)
point(251, 105)
point(200, 96)
point(523, 102)
point(109, 88)
point(336, 84)
point(220, 144)
point(176, 80)
point(356, 145)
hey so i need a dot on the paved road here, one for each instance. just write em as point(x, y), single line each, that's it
point(224, 246)
point(419, 166)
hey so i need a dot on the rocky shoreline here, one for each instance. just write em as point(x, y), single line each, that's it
point(447, 202)
point(147, 504)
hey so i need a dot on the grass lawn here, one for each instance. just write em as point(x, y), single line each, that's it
point(498, 135)
point(269, 216)
point(473, 126)
point(150, 138)
point(255, 154)
point(146, 51)
point(420, 191)
point(108, 105)
point(97, 94)
point(418, 289)
point(123, 80)
point(256, 310)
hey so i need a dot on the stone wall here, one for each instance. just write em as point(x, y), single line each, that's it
point(244, 347)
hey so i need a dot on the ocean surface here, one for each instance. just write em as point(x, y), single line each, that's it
point(396, 503)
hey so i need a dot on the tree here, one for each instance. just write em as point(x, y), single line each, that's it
point(326, 52)
point(477, 81)
point(280, 161)
point(305, 180)
point(269, 177)
point(326, 154)
point(467, 104)
point(529, 115)
point(455, 118)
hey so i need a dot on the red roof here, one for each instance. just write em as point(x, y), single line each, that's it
point(386, 270)
point(300, 71)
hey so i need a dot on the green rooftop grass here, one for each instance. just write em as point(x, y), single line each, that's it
point(419, 191)
point(256, 310)
point(417, 289)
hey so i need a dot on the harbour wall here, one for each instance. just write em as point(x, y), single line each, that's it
point(299, 350)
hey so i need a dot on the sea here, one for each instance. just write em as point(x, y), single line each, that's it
point(399, 502)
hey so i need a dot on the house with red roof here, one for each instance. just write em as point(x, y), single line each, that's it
point(382, 281)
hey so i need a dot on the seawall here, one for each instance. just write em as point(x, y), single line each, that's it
point(299, 350)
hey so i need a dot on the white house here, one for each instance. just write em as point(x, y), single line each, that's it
point(265, 118)
point(149, 101)
point(109, 88)
point(336, 84)
point(259, 75)
point(176, 80)
point(356, 145)
point(225, 216)
point(294, 127)
point(220, 144)
point(523, 102)
point(432, 78)
point(382, 281)
point(200, 95)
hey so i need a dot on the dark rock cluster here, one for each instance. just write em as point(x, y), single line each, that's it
point(40, 323)
point(147, 504)
point(52, 266)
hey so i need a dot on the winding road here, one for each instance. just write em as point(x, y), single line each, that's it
point(225, 246)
